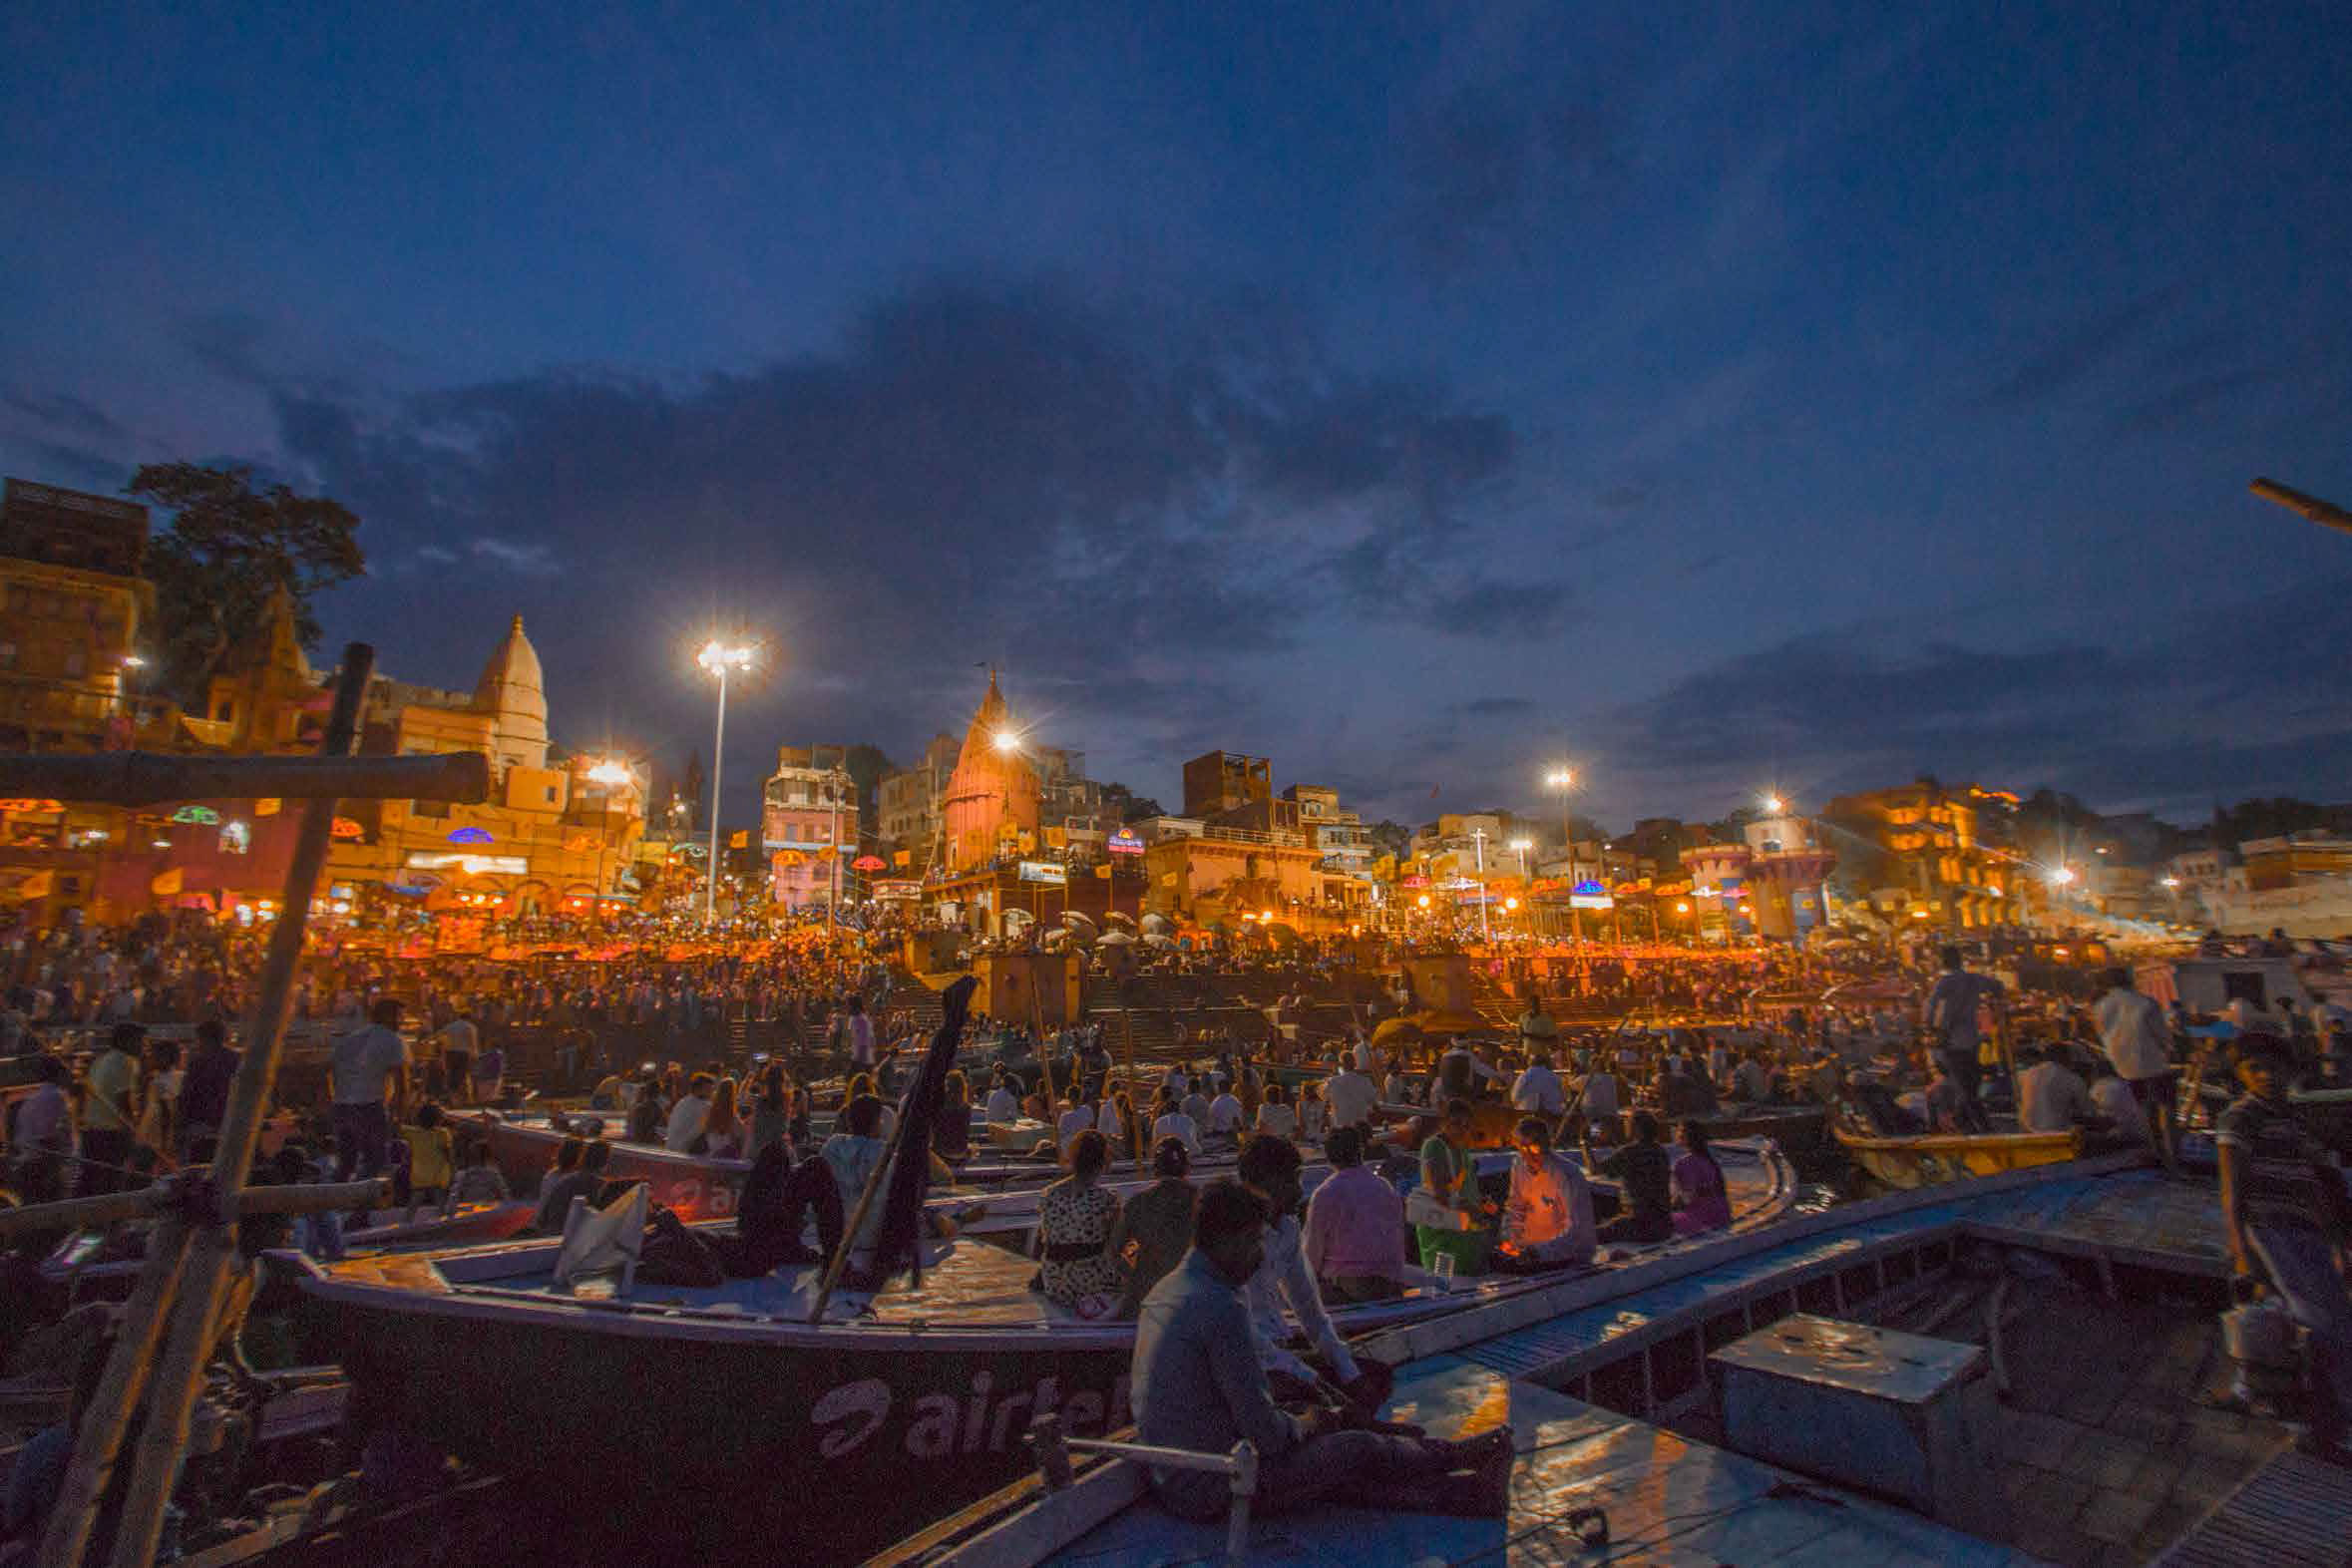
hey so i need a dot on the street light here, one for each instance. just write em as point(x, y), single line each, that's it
point(1773, 803)
point(610, 772)
point(717, 658)
point(1564, 780)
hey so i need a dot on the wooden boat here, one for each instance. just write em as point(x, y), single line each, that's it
point(938, 1380)
point(1926, 1161)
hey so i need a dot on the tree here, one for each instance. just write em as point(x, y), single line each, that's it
point(1390, 838)
point(229, 551)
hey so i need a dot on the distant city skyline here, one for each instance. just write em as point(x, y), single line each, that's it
point(1714, 399)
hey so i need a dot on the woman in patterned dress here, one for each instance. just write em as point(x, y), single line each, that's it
point(1075, 1217)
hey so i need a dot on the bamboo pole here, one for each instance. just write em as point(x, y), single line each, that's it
point(178, 1380)
point(109, 1208)
point(74, 1515)
point(137, 778)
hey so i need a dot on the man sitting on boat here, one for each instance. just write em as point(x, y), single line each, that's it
point(2050, 1095)
point(1270, 1167)
point(1198, 1386)
point(2284, 1210)
point(1548, 1217)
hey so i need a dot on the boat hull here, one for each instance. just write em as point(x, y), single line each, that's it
point(1926, 1161)
point(838, 1445)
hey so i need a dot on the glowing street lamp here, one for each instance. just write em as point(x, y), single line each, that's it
point(1564, 780)
point(717, 658)
point(1774, 804)
point(2063, 876)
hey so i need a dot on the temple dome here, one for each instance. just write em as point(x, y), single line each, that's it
point(512, 693)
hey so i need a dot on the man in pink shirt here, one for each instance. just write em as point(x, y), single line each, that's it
point(1354, 1234)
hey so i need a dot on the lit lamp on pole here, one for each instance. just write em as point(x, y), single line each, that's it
point(1564, 780)
point(721, 659)
point(613, 773)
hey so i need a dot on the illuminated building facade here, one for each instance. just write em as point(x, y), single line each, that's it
point(992, 805)
point(1919, 855)
point(808, 823)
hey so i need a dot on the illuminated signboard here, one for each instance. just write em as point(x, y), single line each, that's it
point(203, 815)
point(473, 865)
point(345, 828)
point(31, 805)
point(1044, 871)
point(1591, 896)
point(469, 836)
point(1125, 842)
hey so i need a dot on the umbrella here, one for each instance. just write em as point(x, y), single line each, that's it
point(1078, 922)
point(1115, 918)
point(1153, 924)
point(1115, 939)
point(1402, 1030)
point(1436, 1021)
point(1288, 935)
point(869, 863)
point(1158, 939)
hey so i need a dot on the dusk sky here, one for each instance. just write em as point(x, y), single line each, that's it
point(1714, 397)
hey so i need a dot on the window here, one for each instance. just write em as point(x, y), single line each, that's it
point(551, 793)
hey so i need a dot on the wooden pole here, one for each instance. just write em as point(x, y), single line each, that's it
point(76, 1510)
point(109, 1207)
point(204, 1282)
point(137, 778)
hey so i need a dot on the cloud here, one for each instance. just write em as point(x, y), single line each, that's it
point(2090, 342)
point(62, 412)
point(2163, 720)
point(1497, 707)
point(1120, 494)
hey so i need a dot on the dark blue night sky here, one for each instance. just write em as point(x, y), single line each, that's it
point(1715, 397)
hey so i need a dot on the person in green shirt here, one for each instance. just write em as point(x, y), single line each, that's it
point(1449, 1212)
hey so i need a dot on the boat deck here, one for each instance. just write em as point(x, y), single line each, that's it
point(1668, 1500)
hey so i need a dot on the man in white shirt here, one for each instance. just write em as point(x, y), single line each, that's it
point(1225, 1114)
point(1600, 1094)
point(688, 1116)
point(2050, 1097)
point(2139, 1040)
point(2112, 1098)
point(1004, 1105)
point(1538, 1090)
point(1271, 1165)
point(1351, 1097)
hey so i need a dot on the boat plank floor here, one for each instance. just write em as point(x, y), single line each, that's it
point(1668, 1500)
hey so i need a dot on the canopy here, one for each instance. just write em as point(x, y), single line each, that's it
point(1399, 1030)
point(1155, 925)
point(1115, 918)
point(1115, 939)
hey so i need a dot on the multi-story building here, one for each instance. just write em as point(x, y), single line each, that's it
point(1221, 781)
point(1341, 836)
point(809, 826)
point(73, 606)
point(906, 803)
point(1928, 855)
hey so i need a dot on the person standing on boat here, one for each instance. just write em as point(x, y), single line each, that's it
point(368, 1073)
point(2283, 1205)
point(1548, 1218)
point(1199, 1385)
point(2133, 1029)
point(1702, 1199)
point(1951, 1017)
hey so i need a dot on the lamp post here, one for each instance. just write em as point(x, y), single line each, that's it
point(610, 772)
point(1564, 780)
point(717, 658)
point(1478, 839)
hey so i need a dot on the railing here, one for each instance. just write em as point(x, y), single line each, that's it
point(1239, 1466)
